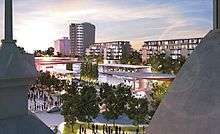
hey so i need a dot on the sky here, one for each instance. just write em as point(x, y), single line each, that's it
point(38, 23)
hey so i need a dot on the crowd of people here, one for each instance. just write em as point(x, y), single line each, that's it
point(41, 100)
point(107, 130)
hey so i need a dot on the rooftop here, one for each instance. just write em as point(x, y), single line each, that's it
point(124, 66)
point(143, 75)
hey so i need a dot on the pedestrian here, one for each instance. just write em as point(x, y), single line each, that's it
point(109, 130)
point(106, 129)
point(119, 129)
point(97, 127)
point(116, 129)
point(93, 128)
point(103, 129)
point(137, 131)
point(80, 129)
point(85, 131)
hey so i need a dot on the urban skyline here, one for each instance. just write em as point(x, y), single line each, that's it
point(136, 20)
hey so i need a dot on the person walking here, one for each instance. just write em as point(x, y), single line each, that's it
point(96, 128)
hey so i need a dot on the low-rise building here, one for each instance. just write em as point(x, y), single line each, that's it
point(46, 63)
point(140, 78)
point(112, 52)
point(174, 47)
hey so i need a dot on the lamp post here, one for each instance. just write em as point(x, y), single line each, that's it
point(8, 21)
point(216, 14)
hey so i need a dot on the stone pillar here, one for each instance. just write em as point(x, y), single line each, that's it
point(8, 21)
point(13, 97)
point(17, 73)
point(216, 14)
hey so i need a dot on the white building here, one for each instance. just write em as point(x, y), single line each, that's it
point(174, 47)
point(112, 52)
point(140, 78)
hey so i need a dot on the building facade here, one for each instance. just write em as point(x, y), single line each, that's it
point(175, 48)
point(112, 52)
point(62, 46)
point(82, 35)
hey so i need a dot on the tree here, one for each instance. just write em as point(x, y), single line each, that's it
point(71, 102)
point(69, 66)
point(165, 64)
point(108, 97)
point(157, 94)
point(88, 70)
point(89, 103)
point(38, 53)
point(55, 83)
point(179, 62)
point(48, 80)
point(58, 54)
point(115, 100)
point(133, 58)
point(123, 96)
point(50, 51)
point(43, 77)
point(138, 110)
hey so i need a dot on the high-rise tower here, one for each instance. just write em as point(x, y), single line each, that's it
point(82, 35)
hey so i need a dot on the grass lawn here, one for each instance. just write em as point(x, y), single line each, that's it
point(68, 130)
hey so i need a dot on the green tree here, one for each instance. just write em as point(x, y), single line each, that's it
point(88, 70)
point(89, 103)
point(71, 102)
point(133, 58)
point(38, 53)
point(179, 62)
point(157, 94)
point(55, 83)
point(69, 66)
point(108, 97)
point(165, 64)
point(50, 51)
point(123, 96)
point(48, 80)
point(115, 100)
point(138, 110)
point(43, 77)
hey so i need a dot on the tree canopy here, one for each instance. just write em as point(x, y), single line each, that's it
point(88, 70)
point(138, 110)
point(157, 94)
point(133, 58)
point(165, 64)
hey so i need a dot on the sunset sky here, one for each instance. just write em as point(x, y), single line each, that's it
point(37, 23)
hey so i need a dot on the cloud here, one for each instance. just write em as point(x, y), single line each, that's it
point(39, 22)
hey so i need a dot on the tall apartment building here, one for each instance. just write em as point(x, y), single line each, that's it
point(175, 47)
point(112, 52)
point(82, 35)
point(62, 46)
